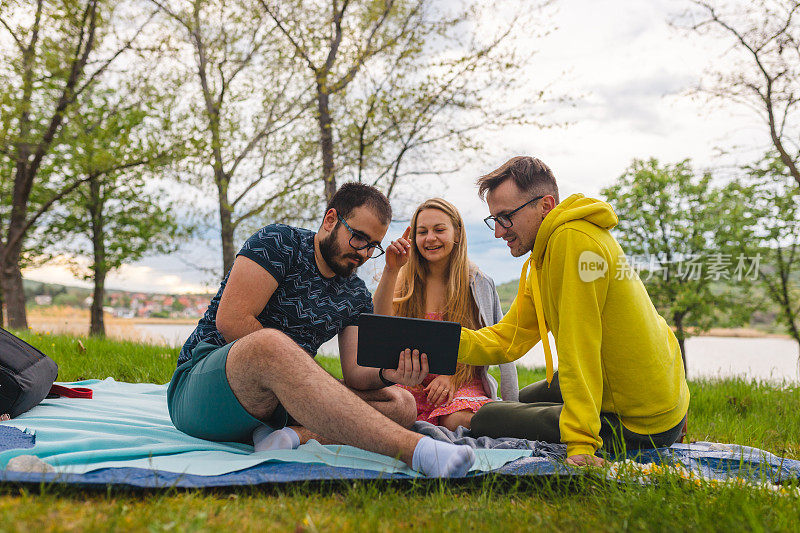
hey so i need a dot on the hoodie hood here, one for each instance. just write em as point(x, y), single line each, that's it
point(576, 207)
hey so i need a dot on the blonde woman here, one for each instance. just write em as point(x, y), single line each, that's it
point(428, 275)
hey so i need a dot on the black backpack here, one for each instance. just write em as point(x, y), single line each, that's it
point(26, 375)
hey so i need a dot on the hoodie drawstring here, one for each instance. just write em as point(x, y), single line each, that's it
point(539, 308)
point(537, 303)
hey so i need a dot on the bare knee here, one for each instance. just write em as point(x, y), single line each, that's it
point(394, 402)
point(459, 418)
point(255, 353)
point(263, 343)
point(250, 363)
point(406, 406)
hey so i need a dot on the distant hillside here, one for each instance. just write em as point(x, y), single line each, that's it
point(36, 288)
point(60, 294)
point(507, 292)
point(126, 304)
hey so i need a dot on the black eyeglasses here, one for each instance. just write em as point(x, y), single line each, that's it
point(505, 219)
point(359, 241)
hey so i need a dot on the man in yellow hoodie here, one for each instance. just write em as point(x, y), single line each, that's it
point(620, 375)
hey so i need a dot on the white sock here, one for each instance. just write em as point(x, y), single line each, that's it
point(265, 438)
point(442, 459)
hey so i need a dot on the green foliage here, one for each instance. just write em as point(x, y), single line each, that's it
point(244, 113)
point(117, 215)
point(69, 299)
point(35, 288)
point(670, 229)
point(766, 215)
point(54, 51)
point(399, 86)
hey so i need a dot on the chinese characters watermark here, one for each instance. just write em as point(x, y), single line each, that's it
point(689, 267)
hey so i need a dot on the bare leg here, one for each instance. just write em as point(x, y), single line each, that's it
point(459, 418)
point(395, 403)
point(267, 365)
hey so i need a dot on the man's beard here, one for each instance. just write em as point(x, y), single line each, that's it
point(332, 255)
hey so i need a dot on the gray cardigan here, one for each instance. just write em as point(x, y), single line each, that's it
point(488, 302)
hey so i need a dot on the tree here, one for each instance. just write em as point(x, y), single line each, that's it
point(769, 223)
point(400, 80)
point(250, 103)
point(116, 145)
point(669, 224)
point(765, 72)
point(55, 51)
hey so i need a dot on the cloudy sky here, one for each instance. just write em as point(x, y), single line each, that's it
point(633, 76)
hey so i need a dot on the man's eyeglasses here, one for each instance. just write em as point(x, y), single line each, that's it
point(359, 241)
point(505, 219)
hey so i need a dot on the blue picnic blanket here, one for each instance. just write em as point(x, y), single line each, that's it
point(124, 437)
point(127, 425)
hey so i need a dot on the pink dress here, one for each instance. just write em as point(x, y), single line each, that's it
point(470, 396)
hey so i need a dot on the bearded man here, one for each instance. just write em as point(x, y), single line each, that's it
point(247, 373)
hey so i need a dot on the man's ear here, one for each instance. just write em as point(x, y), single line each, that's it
point(329, 220)
point(548, 204)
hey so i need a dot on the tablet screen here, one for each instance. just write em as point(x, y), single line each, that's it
point(381, 339)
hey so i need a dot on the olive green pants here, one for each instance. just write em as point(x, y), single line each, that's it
point(535, 417)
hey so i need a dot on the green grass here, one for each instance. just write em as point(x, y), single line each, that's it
point(729, 411)
point(490, 505)
point(82, 358)
point(757, 414)
point(753, 413)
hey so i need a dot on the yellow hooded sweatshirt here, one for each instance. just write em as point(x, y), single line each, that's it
point(615, 352)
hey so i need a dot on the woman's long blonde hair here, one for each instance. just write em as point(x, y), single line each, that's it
point(460, 306)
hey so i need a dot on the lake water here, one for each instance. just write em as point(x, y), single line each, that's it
point(770, 359)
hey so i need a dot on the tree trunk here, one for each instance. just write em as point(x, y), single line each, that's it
point(95, 205)
point(13, 292)
point(784, 298)
point(2, 308)
point(12, 248)
point(326, 141)
point(795, 333)
point(788, 161)
point(681, 334)
point(98, 326)
point(226, 226)
point(226, 234)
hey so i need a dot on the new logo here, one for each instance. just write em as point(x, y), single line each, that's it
point(591, 266)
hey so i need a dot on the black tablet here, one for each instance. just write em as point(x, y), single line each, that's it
point(381, 339)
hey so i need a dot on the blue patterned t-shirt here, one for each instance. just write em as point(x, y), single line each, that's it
point(308, 307)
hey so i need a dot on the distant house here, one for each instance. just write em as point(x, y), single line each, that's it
point(43, 299)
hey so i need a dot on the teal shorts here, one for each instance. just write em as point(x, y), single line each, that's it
point(202, 404)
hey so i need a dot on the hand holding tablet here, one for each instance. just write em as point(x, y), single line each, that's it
point(412, 367)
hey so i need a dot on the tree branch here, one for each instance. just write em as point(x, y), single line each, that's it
point(17, 40)
point(299, 49)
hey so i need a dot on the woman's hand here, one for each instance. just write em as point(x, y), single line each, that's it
point(440, 390)
point(397, 252)
point(411, 369)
